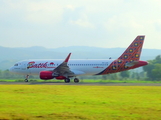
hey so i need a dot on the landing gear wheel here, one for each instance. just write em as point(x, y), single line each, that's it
point(76, 80)
point(27, 76)
point(67, 80)
point(26, 80)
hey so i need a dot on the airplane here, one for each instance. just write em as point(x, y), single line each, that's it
point(48, 69)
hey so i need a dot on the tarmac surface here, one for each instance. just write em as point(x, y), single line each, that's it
point(80, 83)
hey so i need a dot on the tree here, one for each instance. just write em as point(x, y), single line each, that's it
point(152, 69)
point(1, 74)
point(104, 77)
point(135, 75)
point(158, 59)
point(6, 74)
point(125, 74)
point(148, 68)
point(157, 71)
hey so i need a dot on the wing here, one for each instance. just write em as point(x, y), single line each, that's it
point(63, 69)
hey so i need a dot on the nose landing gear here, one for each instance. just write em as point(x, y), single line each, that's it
point(26, 80)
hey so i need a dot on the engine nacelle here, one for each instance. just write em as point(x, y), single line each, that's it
point(46, 75)
point(60, 78)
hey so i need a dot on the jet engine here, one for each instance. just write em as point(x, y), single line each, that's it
point(46, 75)
point(60, 78)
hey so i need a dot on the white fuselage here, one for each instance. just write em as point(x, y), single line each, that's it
point(65, 69)
point(79, 67)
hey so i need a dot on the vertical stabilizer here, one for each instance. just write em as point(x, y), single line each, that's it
point(133, 52)
point(130, 59)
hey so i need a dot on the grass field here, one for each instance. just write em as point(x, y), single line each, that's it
point(74, 102)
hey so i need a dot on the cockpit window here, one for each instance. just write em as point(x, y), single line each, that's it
point(16, 65)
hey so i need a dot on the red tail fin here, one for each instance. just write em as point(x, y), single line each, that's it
point(129, 59)
point(133, 52)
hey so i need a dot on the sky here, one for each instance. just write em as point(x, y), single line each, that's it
point(63, 23)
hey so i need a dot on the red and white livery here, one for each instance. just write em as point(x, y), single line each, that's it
point(64, 70)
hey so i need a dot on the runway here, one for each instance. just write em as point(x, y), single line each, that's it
point(81, 83)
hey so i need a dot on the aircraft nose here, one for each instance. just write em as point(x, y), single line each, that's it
point(11, 69)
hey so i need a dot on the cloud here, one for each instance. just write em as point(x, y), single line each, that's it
point(83, 22)
point(44, 12)
point(34, 12)
point(103, 23)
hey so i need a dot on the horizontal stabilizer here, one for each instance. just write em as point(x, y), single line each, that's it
point(130, 64)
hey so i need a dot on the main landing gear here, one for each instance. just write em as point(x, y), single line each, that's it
point(76, 80)
point(26, 80)
point(67, 80)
